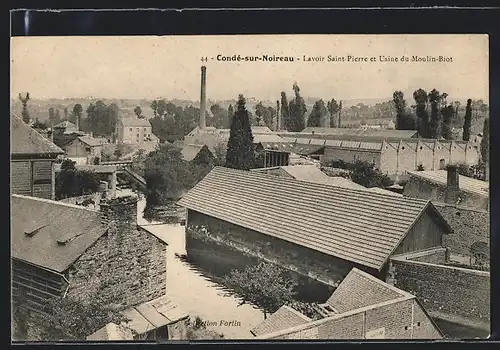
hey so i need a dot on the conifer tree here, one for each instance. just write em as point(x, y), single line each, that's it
point(240, 149)
point(468, 120)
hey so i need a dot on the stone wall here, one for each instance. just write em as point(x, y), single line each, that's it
point(127, 265)
point(247, 243)
point(351, 155)
point(469, 226)
point(90, 200)
point(421, 188)
point(455, 294)
point(391, 320)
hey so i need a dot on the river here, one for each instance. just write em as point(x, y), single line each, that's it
point(196, 294)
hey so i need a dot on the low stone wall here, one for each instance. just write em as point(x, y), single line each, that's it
point(455, 294)
point(90, 200)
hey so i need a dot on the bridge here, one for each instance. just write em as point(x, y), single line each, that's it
point(125, 167)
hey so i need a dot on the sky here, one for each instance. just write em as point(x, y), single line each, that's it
point(169, 66)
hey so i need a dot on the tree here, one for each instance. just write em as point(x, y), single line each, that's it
point(420, 96)
point(240, 149)
point(365, 174)
point(71, 182)
point(435, 123)
point(297, 111)
point(73, 319)
point(263, 285)
point(318, 114)
point(333, 108)
point(278, 117)
point(66, 113)
point(58, 114)
point(485, 142)
point(52, 115)
point(38, 125)
point(285, 112)
point(447, 113)
point(138, 112)
point(468, 120)
point(77, 111)
point(220, 117)
point(25, 113)
point(220, 150)
point(165, 172)
point(400, 104)
point(101, 119)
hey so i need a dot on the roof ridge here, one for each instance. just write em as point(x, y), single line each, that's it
point(380, 282)
point(50, 201)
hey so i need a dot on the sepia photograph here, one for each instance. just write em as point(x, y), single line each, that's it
point(250, 187)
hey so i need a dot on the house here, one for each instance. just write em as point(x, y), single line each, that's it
point(83, 149)
point(132, 130)
point(189, 152)
point(317, 230)
point(65, 127)
point(32, 159)
point(362, 307)
point(447, 186)
point(63, 250)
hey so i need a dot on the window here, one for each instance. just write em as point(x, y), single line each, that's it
point(129, 129)
point(144, 129)
point(137, 129)
point(87, 149)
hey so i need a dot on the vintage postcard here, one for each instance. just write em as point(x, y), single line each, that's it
point(250, 187)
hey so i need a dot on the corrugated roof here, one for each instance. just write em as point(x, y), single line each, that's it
point(134, 122)
point(354, 225)
point(286, 317)
point(360, 289)
point(111, 331)
point(361, 132)
point(26, 140)
point(55, 221)
point(466, 183)
point(298, 148)
point(153, 314)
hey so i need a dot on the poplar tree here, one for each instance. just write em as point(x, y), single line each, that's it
point(317, 115)
point(435, 123)
point(285, 112)
point(297, 111)
point(421, 99)
point(468, 120)
point(240, 151)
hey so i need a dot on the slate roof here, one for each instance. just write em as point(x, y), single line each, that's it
point(467, 184)
point(189, 152)
point(360, 289)
point(26, 140)
point(55, 221)
point(286, 317)
point(134, 122)
point(92, 142)
point(355, 225)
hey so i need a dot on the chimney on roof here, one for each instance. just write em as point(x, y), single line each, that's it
point(452, 184)
point(203, 97)
point(120, 213)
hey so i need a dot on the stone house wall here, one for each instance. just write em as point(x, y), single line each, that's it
point(127, 265)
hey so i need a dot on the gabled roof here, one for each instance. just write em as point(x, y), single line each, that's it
point(65, 125)
point(312, 173)
point(360, 289)
point(355, 225)
point(26, 140)
point(134, 122)
point(286, 317)
point(51, 221)
point(92, 142)
point(260, 138)
point(189, 152)
point(466, 183)
point(111, 331)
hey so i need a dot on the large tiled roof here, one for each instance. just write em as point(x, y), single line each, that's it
point(466, 183)
point(354, 225)
point(134, 122)
point(26, 140)
point(360, 289)
point(55, 221)
point(361, 132)
point(286, 317)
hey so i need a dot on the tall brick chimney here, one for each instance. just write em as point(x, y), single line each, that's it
point(120, 212)
point(452, 184)
point(203, 97)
